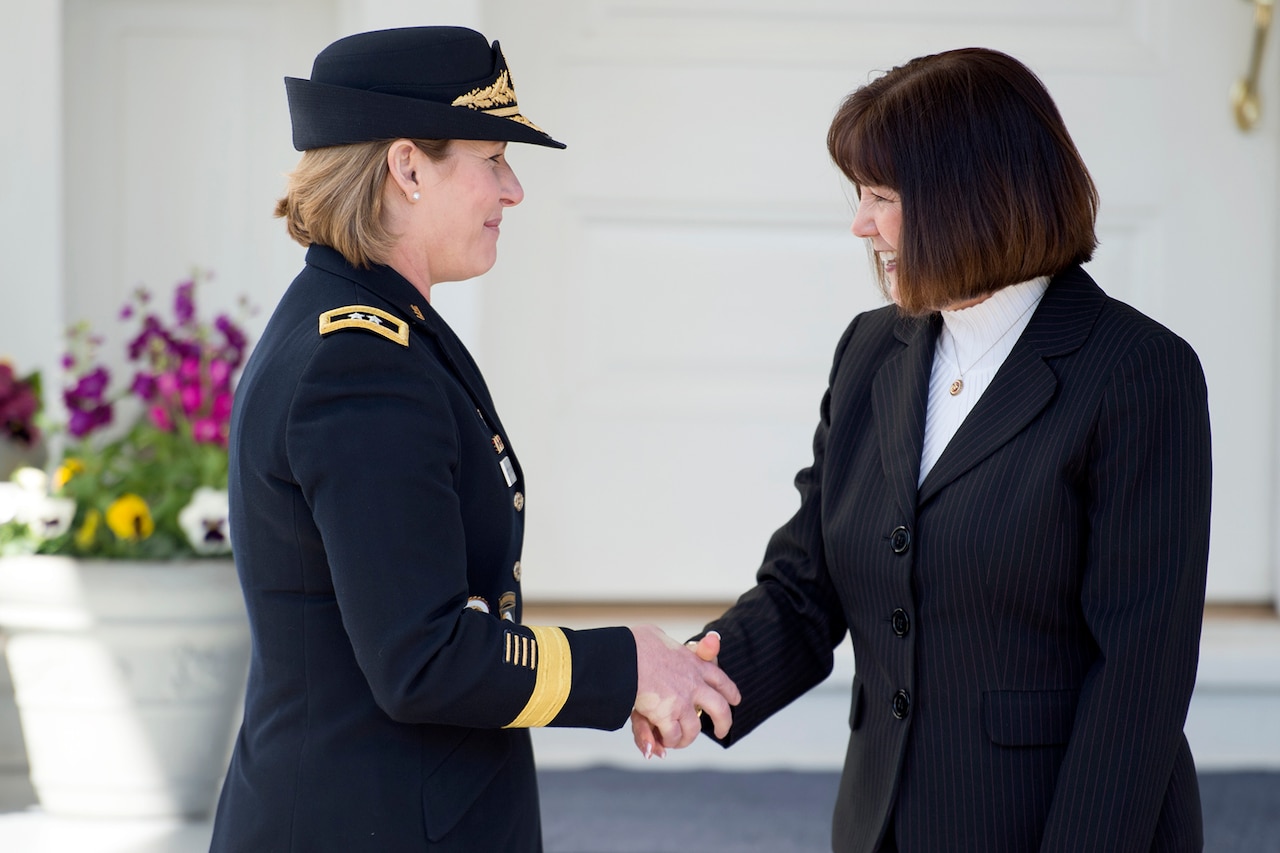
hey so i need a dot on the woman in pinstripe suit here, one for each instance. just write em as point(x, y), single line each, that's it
point(1008, 505)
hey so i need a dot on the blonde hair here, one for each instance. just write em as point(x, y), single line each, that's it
point(334, 198)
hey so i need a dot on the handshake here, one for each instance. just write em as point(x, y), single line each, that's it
point(676, 684)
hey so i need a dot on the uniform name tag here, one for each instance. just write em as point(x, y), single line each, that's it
point(508, 470)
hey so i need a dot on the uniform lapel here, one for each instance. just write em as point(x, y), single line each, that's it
point(1025, 383)
point(899, 395)
point(466, 371)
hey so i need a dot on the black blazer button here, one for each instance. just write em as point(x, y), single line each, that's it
point(900, 540)
point(901, 704)
point(901, 622)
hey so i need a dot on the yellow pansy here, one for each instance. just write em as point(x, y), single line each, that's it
point(68, 469)
point(129, 517)
point(88, 531)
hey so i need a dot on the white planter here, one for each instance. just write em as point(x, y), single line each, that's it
point(127, 677)
point(15, 782)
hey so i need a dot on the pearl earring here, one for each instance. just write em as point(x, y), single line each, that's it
point(416, 195)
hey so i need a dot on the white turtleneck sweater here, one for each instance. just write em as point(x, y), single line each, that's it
point(974, 342)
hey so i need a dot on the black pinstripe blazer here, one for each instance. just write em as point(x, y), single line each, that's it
point(1026, 623)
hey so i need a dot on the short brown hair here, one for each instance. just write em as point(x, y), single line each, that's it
point(334, 198)
point(993, 189)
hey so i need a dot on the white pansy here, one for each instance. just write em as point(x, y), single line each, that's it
point(24, 500)
point(47, 517)
point(204, 521)
point(32, 480)
point(12, 499)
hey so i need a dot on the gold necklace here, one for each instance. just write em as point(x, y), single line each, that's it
point(958, 385)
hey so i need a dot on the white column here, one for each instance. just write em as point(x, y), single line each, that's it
point(31, 189)
point(31, 243)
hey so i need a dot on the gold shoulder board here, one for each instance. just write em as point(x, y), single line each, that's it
point(368, 318)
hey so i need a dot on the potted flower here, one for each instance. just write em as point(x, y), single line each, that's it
point(20, 437)
point(128, 641)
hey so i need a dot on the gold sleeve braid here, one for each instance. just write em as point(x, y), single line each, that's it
point(553, 681)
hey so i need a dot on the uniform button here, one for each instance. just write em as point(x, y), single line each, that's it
point(901, 704)
point(900, 621)
point(518, 501)
point(900, 540)
point(515, 571)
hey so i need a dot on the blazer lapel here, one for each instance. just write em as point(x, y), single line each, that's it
point(1025, 383)
point(1023, 386)
point(899, 395)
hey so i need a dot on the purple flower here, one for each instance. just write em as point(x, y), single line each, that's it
point(235, 338)
point(192, 397)
point(144, 386)
point(150, 328)
point(68, 361)
point(80, 423)
point(88, 410)
point(18, 406)
point(159, 416)
point(89, 388)
point(206, 431)
point(189, 370)
point(84, 421)
point(220, 373)
point(184, 369)
point(221, 410)
point(167, 384)
point(183, 350)
point(184, 306)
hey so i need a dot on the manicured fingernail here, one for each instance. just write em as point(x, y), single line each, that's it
point(648, 751)
point(715, 634)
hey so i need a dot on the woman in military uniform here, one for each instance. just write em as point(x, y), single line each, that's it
point(377, 504)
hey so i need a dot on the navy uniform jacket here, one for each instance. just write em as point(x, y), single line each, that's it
point(1026, 622)
point(377, 511)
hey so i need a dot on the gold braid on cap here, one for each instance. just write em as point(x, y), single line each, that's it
point(496, 99)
